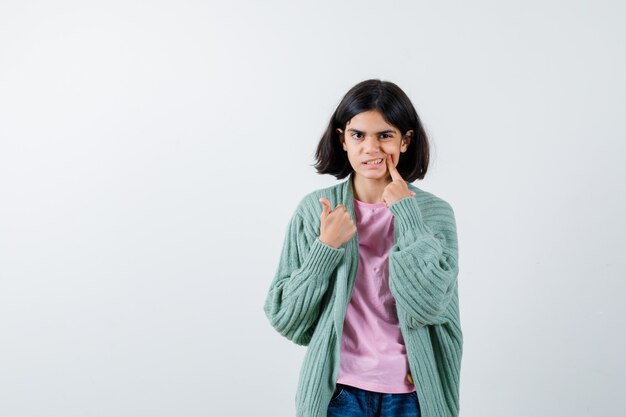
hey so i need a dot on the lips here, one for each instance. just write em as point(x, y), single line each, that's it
point(375, 161)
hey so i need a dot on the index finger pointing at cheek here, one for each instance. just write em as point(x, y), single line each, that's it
point(395, 175)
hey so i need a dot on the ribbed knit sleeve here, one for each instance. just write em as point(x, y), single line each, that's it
point(304, 269)
point(422, 264)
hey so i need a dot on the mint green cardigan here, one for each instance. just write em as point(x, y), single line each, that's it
point(310, 292)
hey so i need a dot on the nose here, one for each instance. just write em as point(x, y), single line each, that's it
point(371, 145)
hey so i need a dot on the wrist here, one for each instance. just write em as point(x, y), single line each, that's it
point(328, 242)
point(402, 198)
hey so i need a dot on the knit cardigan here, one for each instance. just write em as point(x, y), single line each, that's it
point(310, 292)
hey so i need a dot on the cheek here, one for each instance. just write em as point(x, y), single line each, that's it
point(391, 148)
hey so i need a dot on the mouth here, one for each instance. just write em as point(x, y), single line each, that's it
point(373, 162)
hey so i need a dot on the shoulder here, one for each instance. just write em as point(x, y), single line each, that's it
point(310, 205)
point(309, 208)
point(432, 206)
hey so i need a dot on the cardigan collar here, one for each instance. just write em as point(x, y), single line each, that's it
point(348, 194)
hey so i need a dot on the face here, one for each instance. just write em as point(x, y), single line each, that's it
point(368, 137)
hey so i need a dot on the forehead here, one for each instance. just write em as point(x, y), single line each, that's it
point(371, 120)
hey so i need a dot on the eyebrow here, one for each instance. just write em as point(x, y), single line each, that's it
point(382, 131)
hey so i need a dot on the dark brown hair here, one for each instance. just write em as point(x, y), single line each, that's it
point(396, 109)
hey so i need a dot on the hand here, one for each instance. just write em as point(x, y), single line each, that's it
point(336, 227)
point(397, 188)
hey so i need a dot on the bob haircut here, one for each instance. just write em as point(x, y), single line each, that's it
point(396, 109)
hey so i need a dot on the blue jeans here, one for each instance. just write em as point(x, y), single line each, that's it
point(349, 401)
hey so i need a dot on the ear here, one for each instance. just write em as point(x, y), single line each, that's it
point(406, 141)
point(342, 139)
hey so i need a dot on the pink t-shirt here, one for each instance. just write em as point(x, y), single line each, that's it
point(373, 355)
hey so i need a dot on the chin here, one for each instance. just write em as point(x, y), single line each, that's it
point(374, 175)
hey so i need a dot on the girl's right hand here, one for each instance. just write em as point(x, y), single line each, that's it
point(336, 227)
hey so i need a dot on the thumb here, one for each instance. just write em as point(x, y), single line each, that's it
point(326, 207)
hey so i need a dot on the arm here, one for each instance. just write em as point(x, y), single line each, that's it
point(293, 301)
point(423, 265)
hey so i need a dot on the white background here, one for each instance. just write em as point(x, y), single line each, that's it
point(152, 152)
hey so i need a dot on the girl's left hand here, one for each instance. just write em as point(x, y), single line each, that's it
point(397, 188)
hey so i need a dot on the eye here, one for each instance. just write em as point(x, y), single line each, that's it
point(385, 136)
point(357, 135)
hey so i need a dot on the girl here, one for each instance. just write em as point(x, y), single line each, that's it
point(367, 277)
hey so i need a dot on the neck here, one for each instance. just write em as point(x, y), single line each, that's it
point(369, 190)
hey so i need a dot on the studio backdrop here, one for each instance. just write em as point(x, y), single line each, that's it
point(152, 153)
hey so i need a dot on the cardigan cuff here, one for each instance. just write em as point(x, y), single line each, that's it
point(408, 216)
point(322, 258)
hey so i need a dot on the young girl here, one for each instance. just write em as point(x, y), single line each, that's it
point(367, 277)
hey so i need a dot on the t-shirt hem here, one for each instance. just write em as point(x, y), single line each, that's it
point(377, 388)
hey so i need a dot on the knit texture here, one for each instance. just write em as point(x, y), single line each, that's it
point(312, 286)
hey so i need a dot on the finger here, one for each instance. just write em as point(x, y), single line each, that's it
point(395, 175)
point(326, 206)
